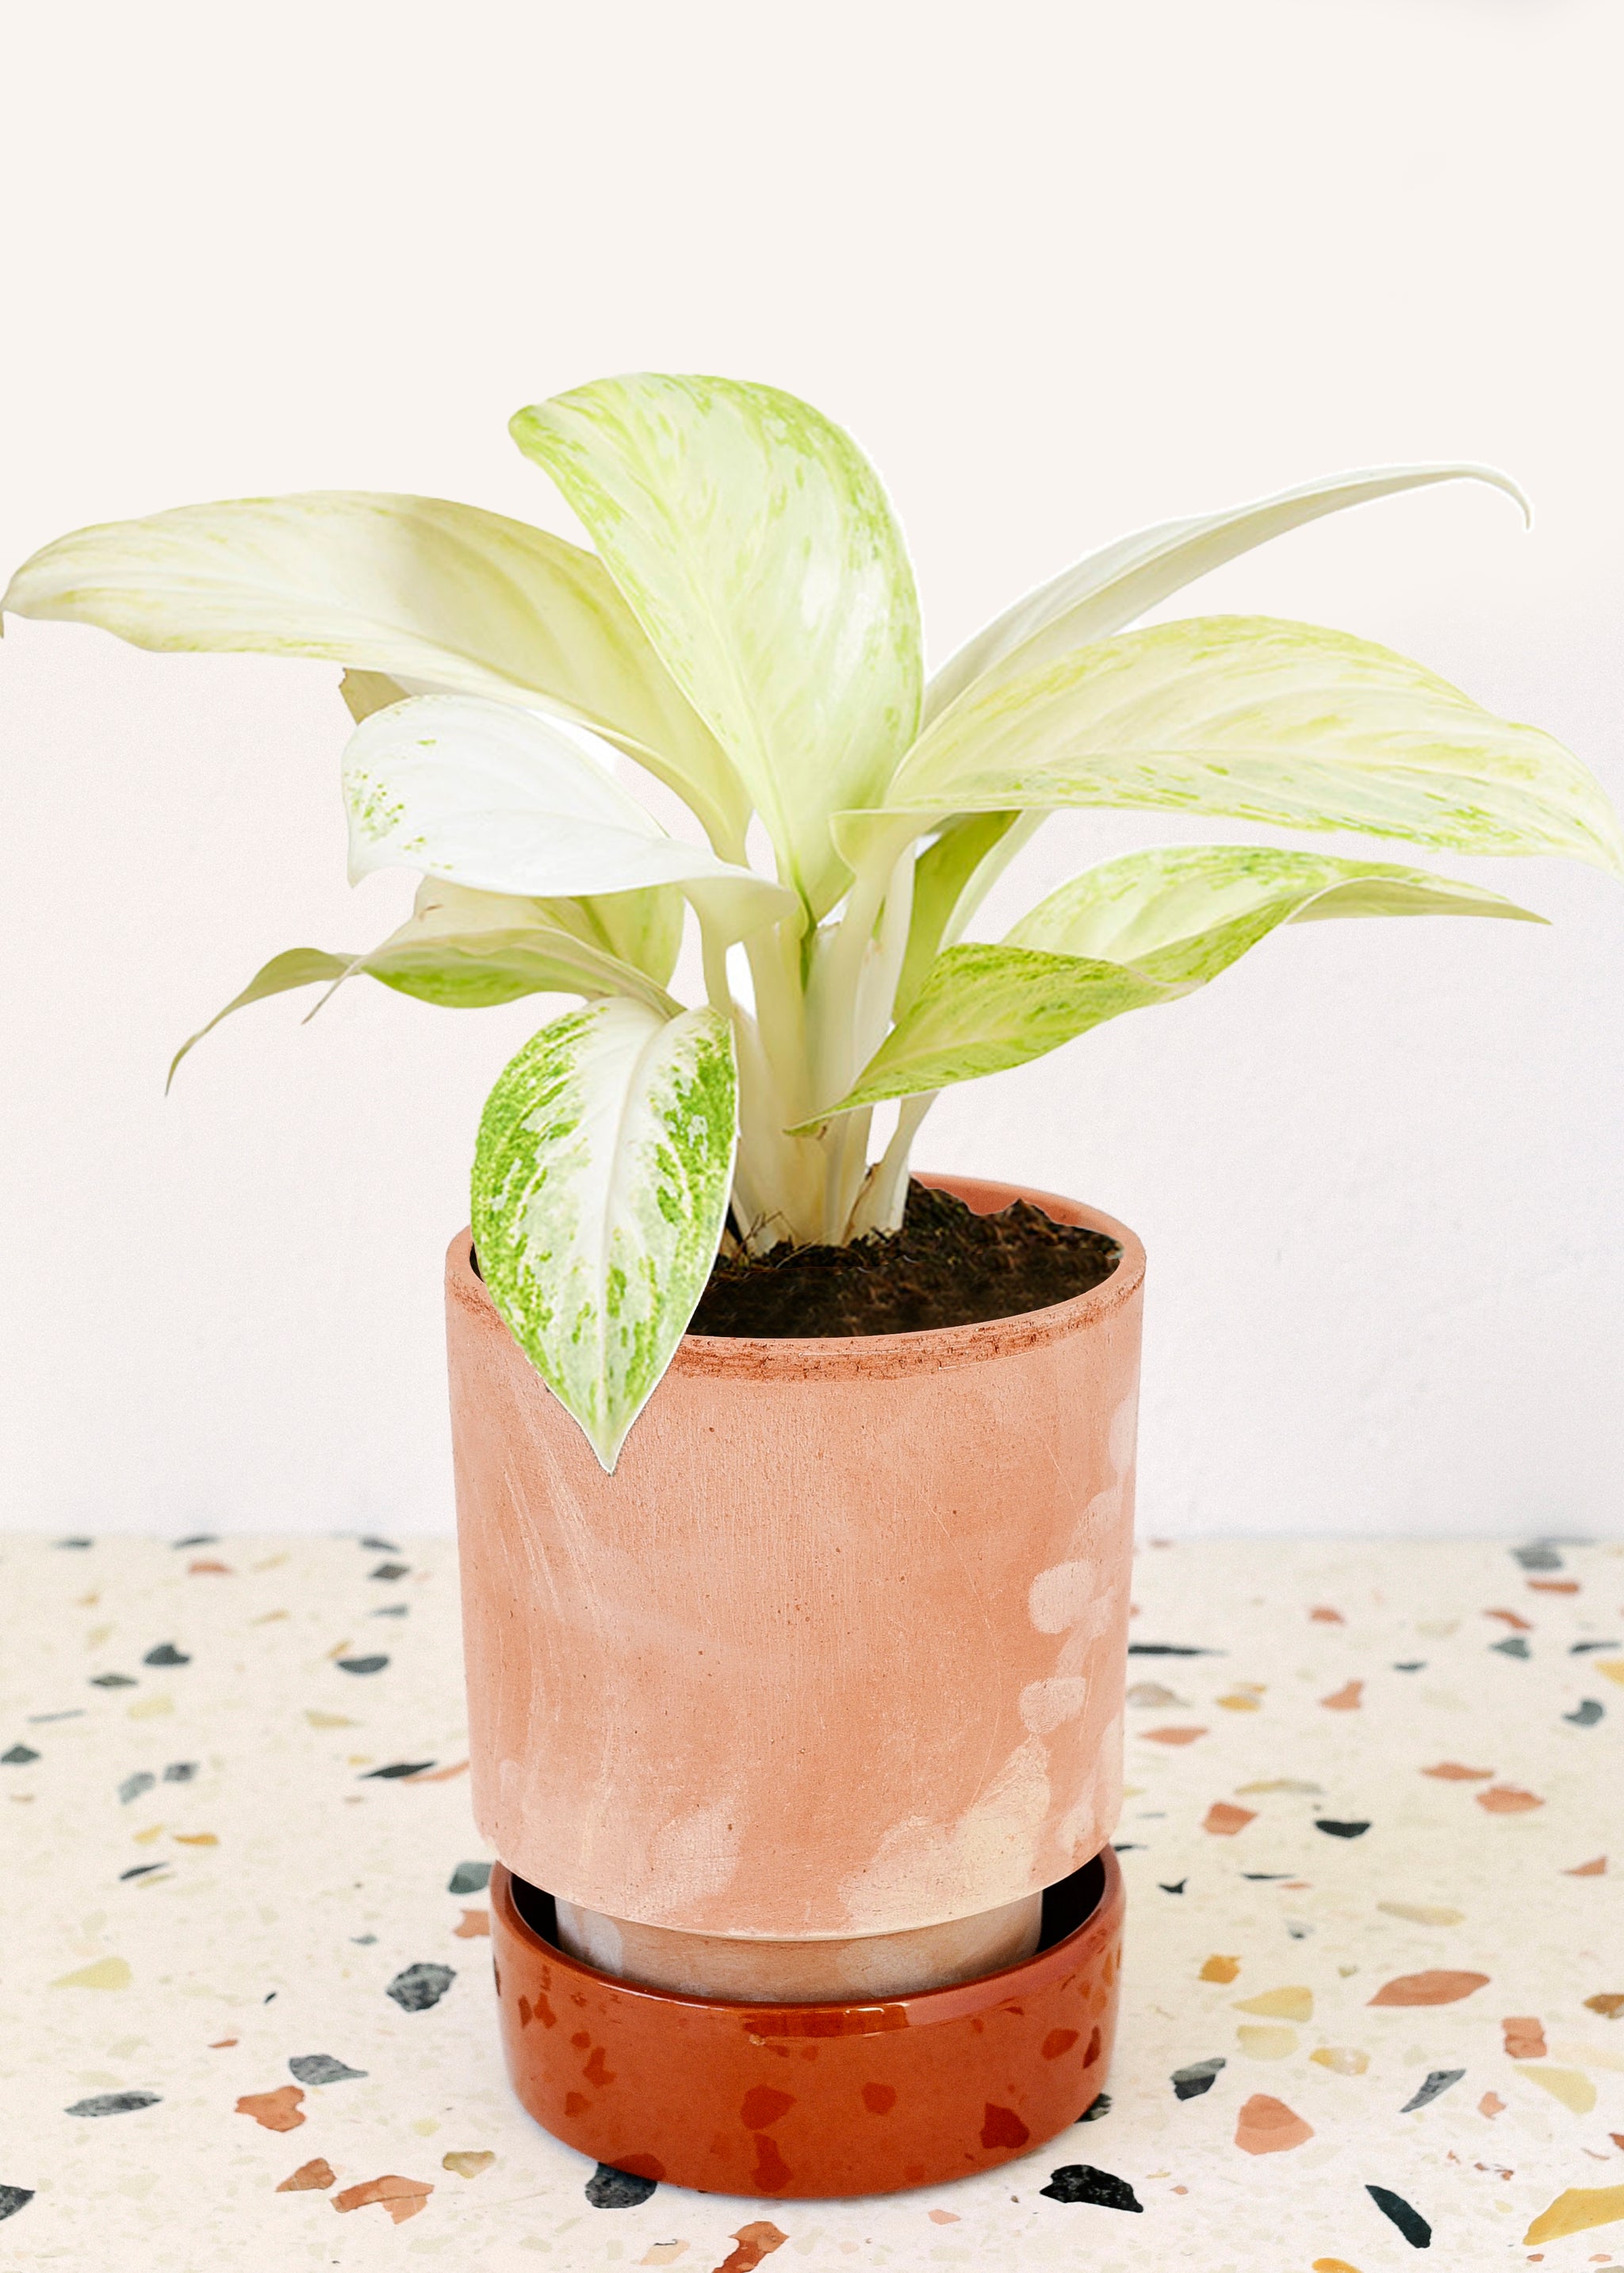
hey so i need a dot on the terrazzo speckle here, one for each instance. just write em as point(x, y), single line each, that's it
point(1374, 1837)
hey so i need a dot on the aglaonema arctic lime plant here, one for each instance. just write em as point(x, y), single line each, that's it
point(747, 633)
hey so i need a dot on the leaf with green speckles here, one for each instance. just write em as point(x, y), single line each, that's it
point(1134, 932)
point(1281, 722)
point(601, 1183)
point(438, 594)
point(501, 799)
point(753, 542)
point(466, 950)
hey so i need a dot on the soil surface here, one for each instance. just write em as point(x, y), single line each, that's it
point(946, 1266)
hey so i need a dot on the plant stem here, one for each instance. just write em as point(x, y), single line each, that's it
point(884, 1196)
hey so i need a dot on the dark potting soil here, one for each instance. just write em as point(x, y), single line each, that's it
point(946, 1266)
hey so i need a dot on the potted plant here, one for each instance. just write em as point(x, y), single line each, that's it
point(795, 1498)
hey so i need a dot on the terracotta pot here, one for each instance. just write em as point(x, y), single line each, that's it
point(803, 2099)
point(839, 1650)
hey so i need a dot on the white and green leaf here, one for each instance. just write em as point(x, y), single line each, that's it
point(1280, 723)
point(503, 800)
point(415, 589)
point(1173, 909)
point(1110, 587)
point(950, 877)
point(601, 1184)
point(755, 545)
point(463, 951)
point(1131, 934)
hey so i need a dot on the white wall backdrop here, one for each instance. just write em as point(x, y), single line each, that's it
point(1064, 269)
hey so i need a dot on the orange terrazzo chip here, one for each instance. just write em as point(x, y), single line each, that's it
point(273, 2110)
point(1223, 1822)
point(1438, 1986)
point(1507, 1799)
point(317, 2174)
point(1525, 2039)
point(1269, 2126)
point(402, 2198)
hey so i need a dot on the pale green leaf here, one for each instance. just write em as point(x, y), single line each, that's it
point(463, 951)
point(1184, 912)
point(757, 547)
point(983, 1010)
point(601, 1186)
point(943, 874)
point(642, 928)
point(502, 799)
point(299, 966)
point(1280, 723)
point(1127, 578)
point(1132, 932)
point(415, 588)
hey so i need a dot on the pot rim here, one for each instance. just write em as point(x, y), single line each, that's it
point(933, 1349)
point(916, 2009)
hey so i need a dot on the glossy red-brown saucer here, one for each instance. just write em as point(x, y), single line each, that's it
point(797, 2100)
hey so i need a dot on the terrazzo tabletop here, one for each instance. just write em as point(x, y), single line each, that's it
point(1374, 1993)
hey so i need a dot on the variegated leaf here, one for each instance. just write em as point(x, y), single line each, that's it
point(944, 875)
point(462, 950)
point(417, 590)
point(601, 1185)
point(1279, 722)
point(757, 547)
point(1110, 587)
point(1184, 912)
point(485, 794)
point(1132, 932)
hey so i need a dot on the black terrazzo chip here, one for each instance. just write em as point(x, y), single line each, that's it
point(1537, 1556)
point(19, 1756)
point(469, 1879)
point(133, 1786)
point(13, 2198)
point(180, 1772)
point(113, 2103)
point(1585, 1715)
point(608, 2189)
point(1513, 1646)
point(1437, 2083)
point(321, 2067)
point(390, 1571)
point(166, 1653)
point(112, 1681)
point(419, 1986)
point(395, 1769)
point(362, 1664)
point(1201, 2075)
point(1333, 1829)
point(1095, 2108)
point(1080, 2182)
point(1410, 2222)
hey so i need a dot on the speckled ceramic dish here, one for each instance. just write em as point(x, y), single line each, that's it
point(803, 2099)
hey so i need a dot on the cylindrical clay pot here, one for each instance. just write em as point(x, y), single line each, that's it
point(837, 1652)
